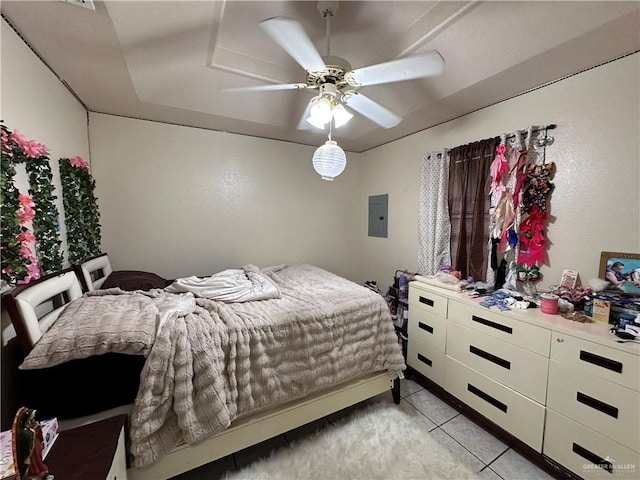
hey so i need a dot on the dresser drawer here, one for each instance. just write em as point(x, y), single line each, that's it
point(427, 328)
point(606, 407)
point(515, 367)
point(586, 452)
point(427, 301)
point(517, 414)
point(427, 360)
point(525, 335)
point(605, 362)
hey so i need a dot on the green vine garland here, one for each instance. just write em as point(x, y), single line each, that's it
point(13, 267)
point(81, 210)
point(91, 214)
point(45, 222)
point(19, 265)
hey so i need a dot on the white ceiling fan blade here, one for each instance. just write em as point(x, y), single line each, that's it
point(372, 110)
point(290, 35)
point(408, 68)
point(266, 88)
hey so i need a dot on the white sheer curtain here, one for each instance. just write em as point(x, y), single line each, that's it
point(434, 224)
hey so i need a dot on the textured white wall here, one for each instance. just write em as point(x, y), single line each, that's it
point(596, 203)
point(37, 104)
point(182, 201)
point(34, 102)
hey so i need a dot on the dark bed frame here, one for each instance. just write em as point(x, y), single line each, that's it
point(108, 381)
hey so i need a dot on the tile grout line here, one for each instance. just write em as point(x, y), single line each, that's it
point(494, 460)
point(438, 426)
point(425, 416)
point(420, 412)
point(455, 440)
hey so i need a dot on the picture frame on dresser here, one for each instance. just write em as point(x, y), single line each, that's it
point(629, 270)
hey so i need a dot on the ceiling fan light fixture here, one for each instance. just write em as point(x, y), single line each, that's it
point(316, 122)
point(321, 111)
point(324, 110)
point(340, 116)
point(329, 160)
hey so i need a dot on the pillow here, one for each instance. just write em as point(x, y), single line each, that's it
point(133, 280)
point(118, 322)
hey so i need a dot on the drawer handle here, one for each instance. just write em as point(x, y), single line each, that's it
point(424, 359)
point(601, 361)
point(597, 404)
point(487, 398)
point(492, 358)
point(489, 323)
point(593, 458)
point(426, 301)
point(426, 327)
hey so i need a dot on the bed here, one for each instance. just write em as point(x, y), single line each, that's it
point(97, 273)
point(94, 271)
point(109, 381)
point(222, 375)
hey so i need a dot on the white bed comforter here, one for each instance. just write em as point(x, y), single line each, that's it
point(232, 285)
point(219, 361)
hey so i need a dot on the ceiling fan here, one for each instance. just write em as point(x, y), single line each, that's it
point(333, 76)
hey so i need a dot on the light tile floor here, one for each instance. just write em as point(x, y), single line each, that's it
point(476, 447)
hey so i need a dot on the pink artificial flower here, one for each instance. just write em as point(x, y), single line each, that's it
point(8, 270)
point(33, 269)
point(4, 138)
point(26, 236)
point(501, 148)
point(26, 200)
point(7, 146)
point(31, 148)
point(78, 162)
point(25, 251)
point(17, 137)
point(25, 214)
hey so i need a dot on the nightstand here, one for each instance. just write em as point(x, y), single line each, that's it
point(93, 451)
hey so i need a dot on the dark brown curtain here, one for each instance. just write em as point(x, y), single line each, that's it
point(469, 203)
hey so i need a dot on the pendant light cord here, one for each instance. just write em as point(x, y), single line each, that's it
point(330, 125)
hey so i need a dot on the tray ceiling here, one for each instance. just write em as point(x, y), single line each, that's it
point(168, 60)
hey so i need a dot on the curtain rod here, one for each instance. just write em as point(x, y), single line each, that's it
point(551, 126)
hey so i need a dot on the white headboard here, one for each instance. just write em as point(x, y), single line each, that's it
point(95, 271)
point(24, 301)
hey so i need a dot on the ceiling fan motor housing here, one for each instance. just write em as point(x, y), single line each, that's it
point(334, 73)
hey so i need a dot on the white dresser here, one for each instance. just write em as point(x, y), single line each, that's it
point(427, 329)
point(566, 389)
point(593, 413)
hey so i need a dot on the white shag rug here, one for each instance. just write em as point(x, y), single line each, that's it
point(380, 441)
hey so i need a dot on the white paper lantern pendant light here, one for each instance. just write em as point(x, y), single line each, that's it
point(329, 160)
